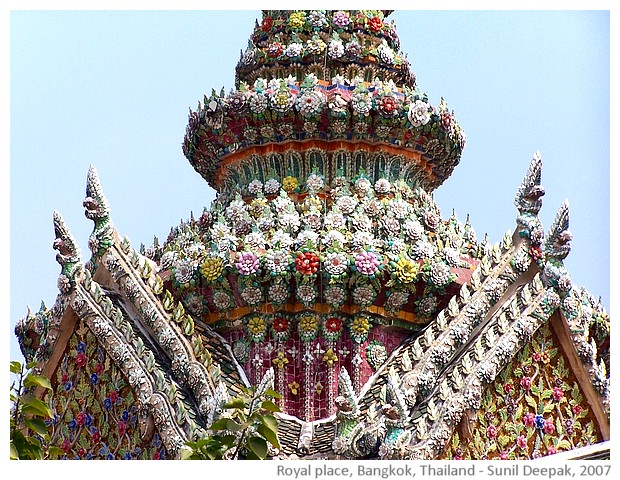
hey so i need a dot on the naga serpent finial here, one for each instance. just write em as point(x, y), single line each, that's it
point(528, 201)
point(32, 333)
point(557, 242)
point(346, 401)
point(556, 249)
point(68, 255)
point(395, 414)
point(96, 208)
point(347, 411)
point(396, 410)
point(266, 383)
point(216, 407)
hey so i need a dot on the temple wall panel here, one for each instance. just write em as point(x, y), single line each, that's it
point(95, 409)
point(535, 407)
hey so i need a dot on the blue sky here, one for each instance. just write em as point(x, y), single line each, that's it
point(113, 89)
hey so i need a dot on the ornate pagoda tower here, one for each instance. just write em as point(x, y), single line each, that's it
point(325, 270)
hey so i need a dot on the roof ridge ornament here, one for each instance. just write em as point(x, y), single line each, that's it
point(68, 256)
point(528, 201)
point(556, 249)
point(216, 406)
point(97, 209)
point(347, 412)
point(266, 383)
point(35, 334)
point(557, 241)
point(396, 412)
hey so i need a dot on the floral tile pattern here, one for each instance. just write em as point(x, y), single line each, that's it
point(534, 408)
point(95, 409)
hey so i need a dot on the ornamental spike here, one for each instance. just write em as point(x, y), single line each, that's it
point(266, 383)
point(396, 398)
point(346, 402)
point(557, 242)
point(97, 209)
point(220, 397)
point(528, 196)
point(68, 255)
point(95, 203)
point(528, 202)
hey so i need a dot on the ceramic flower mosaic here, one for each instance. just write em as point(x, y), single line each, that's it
point(331, 253)
point(366, 91)
point(95, 409)
point(533, 409)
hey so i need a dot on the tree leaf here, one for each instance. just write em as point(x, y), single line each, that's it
point(252, 456)
point(34, 406)
point(37, 381)
point(272, 393)
point(228, 440)
point(269, 435)
point(220, 424)
point(203, 443)
point(259, 446)
point(235, 403)
point(14, 452)
point(270, 406)
point(226, 424)
point(16, 367)
point(55, 452)
point(34, 449)
point(36, 425)
point(187, 453)
point(270, 421)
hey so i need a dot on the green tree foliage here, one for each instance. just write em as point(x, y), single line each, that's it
point(29, 435)
point(244, 431)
